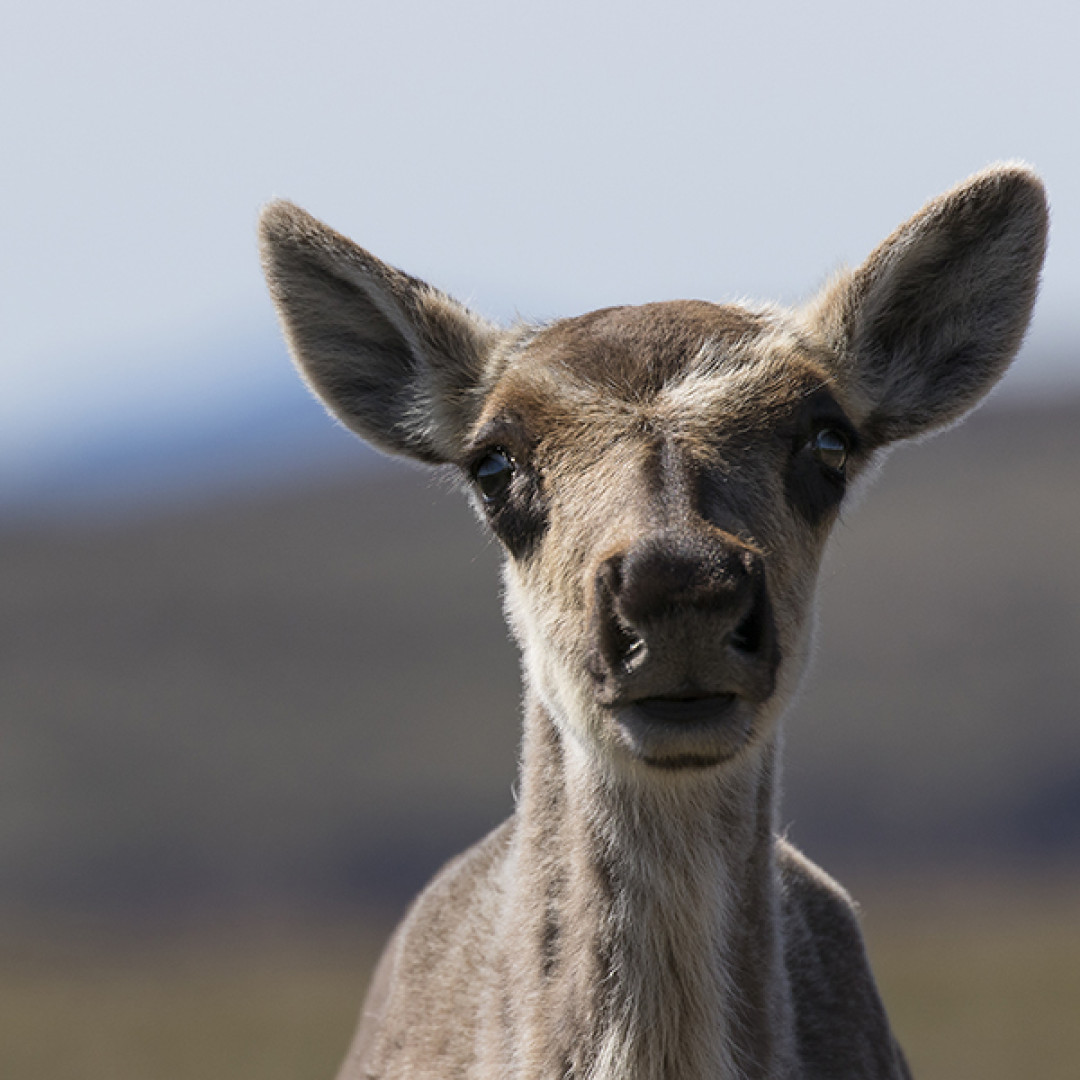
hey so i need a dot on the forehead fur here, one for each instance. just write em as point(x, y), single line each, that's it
point(635, 351)
point(680, 365)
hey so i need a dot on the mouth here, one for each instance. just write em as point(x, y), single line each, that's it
point(684, 732)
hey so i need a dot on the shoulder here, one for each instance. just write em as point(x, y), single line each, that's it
point(433, 953)
point(456, 909)
point(823, 943)
point(842, 1027)
point(812, 900)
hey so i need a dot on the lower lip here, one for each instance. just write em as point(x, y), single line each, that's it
point(682, 733)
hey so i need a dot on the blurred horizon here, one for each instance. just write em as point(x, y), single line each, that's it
point(262, 428)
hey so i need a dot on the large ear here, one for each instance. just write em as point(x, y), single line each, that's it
point(398, 362)
point(927, 325)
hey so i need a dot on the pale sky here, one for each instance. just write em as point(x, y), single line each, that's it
point(541, 158)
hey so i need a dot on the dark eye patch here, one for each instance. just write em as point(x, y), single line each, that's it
point(502, 473)
point(822, 442)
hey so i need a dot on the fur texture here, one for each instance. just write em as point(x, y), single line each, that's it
point(663, 479)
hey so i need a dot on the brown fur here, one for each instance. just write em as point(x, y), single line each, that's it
point(664, 479)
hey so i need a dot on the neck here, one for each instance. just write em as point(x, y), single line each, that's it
point(645, 920)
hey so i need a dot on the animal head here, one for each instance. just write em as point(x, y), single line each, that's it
point(663, 478)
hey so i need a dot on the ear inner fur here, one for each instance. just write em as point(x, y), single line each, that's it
point(926, 326)
point(395, 360)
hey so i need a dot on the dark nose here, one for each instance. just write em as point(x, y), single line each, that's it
point(663, 573)
point(684, 586)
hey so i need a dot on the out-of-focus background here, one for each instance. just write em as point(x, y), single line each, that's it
point(254, 684)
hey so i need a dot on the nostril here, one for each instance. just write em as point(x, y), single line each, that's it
point(625, 645)
point(749, 635)
point(621, 644)
point(755, 633)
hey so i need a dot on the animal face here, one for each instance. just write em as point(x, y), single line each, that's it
point(663, 478)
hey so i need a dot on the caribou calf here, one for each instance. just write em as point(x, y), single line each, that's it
point(663, 480)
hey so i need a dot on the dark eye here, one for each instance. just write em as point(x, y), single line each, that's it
point(831, 447)
point(493, 475)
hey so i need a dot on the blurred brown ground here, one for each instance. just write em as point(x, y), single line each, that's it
point(981, 979)
point(237, 736)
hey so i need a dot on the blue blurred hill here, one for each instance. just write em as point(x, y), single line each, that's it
point(255, 427)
